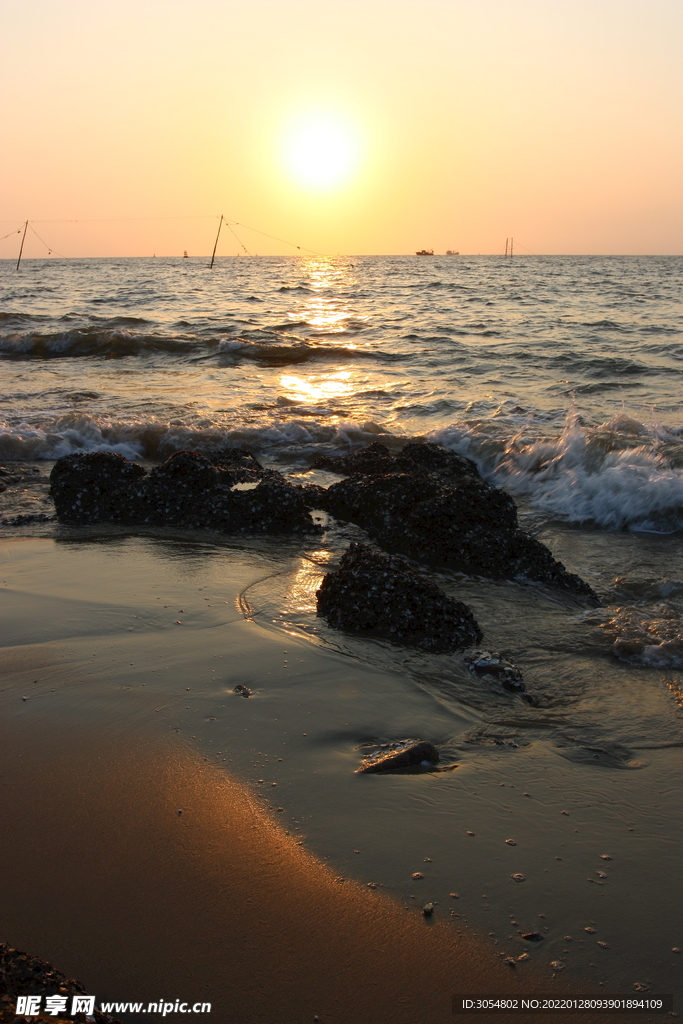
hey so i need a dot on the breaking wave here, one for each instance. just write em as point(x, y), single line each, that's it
point(274, 354)
point(157, 439)
point(620, 475)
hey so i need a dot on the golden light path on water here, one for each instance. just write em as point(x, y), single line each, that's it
point(326, 313)
point(329, 314)
point(318, 387)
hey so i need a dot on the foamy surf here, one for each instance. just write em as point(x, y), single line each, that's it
point(152, 439)
point(614, 475)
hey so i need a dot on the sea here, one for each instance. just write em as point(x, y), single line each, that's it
point(561, 377)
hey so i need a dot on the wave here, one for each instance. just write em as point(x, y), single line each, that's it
point(619, 475)
point(605, 366)
point(263, 346)
point(83, 342)
point(622, 474)
point(274, 354)
point(154, 439)
point(605, 325)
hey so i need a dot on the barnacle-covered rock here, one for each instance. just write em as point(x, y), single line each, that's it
point(275, 506)
point(22, 974)
point(178, 491)
point(187, 490)
point(376, 459)
point(433, 506)
point(236, 465)
point(392, 756)
point(93, 487)
point(378, 594)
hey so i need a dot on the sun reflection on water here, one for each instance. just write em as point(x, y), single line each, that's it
point(328, 313)
point(300, 598)
point(316, 388)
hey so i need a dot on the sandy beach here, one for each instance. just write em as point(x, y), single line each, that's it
point(218, 903)
point(284, 889)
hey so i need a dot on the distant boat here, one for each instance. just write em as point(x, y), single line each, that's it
point(185, 256)
point(424, 252)
point(452, 252)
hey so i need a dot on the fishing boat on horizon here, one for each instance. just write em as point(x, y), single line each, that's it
point(424, 252)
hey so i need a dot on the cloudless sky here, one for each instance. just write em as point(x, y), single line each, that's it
point(557, 122)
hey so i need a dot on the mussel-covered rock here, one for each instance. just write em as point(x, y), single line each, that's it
point(377, 460)
point(413, 754)
point(378, 594)
point(93, 487)
point(187, 490)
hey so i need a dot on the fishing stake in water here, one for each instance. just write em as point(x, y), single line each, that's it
point(22, 244)
point(215, 245)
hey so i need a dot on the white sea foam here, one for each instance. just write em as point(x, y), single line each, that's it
point(156, 438)
point(613, 476)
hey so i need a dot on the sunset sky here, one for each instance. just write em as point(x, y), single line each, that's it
point(350, 126)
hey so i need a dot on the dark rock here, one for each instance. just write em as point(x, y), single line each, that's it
point(435, 508)
point(434, 458)
point(93, 487)
point(275, 506)
point(178, 491)
point(376, 459)
point(26, 518)
point(313, 495)
point(483, 663)
point(378, 594)
point(22, 974)
point(243, 690)
point(187, 491)
point(418, 513)
point(533, 937)
point(236, 466)
point(420, 753)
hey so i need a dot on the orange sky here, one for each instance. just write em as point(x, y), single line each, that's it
point(556, 121)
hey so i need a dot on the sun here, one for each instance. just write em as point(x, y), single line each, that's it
point(321, 151)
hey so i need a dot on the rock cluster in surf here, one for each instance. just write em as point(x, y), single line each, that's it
point(432, 505)
point(187, 490)
point(426, 503)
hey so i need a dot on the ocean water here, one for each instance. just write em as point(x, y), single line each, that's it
point(561, 377)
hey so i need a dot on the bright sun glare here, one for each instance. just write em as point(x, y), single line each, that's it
point(321, 152)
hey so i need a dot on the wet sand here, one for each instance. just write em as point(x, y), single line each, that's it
point(224, 903)
point(106, 880)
